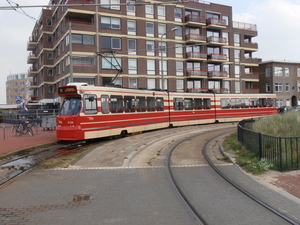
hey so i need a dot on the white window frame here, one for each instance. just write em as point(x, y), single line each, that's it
point(278, 87)
point(150, 66)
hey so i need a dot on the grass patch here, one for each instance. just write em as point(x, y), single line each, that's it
point(245, 159)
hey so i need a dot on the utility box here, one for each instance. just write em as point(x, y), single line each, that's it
point(49, 122)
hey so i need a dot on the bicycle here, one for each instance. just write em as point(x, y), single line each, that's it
point(26, 127)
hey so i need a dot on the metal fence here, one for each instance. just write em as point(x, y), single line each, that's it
point(282, 152)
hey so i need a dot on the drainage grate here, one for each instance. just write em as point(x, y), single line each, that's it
point(79, 198)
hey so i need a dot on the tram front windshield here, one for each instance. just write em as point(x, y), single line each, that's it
point(70, 106)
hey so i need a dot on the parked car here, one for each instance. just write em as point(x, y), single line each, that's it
point(284, 109)
point(296, 108)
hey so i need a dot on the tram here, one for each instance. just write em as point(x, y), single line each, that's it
point(89, 112)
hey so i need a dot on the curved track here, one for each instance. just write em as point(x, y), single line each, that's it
point(276, 216)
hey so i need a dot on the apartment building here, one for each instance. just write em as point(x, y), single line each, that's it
point(16, 90)
point(190, 46)
point(281, 78)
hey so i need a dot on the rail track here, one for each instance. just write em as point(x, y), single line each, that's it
point(195, 183)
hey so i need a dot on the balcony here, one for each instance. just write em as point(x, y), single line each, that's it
point(33, 98)
point(196, 56)
point(32, 85)
point(250, 29)
point(197, 90)
point(217, 74)
point(196, 73)
point(32, 42)
point(250, 61)
point(216, 57)
point(31, 58)
point(251, 90)
point(219, 41)
point(215, 23)
point(195, 20)
point(32, 71)
point(249, 45)
point(195, 38)
point(250, 76)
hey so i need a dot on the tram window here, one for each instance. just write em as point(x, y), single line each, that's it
point(262, 102)
point(235, 103)
point(198, 103)
point(116, 104)
point(159, 104)
point(105, 104)
point(140, 104)
point(150, 104)
point(270, 102)
point(225, 103)
point(206, 103)
point(129, 104)
point(245, 103)
point(178, 104)
point(70, 106)
point(188, 104)
point(253, 103)
point(90, 104)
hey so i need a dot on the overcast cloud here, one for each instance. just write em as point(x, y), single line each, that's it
point(278, 23)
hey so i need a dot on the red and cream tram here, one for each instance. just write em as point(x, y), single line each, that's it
point(92, 111)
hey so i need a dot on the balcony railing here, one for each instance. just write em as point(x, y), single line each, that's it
point(245, 26)
point(195, 19)
point(81, 2)
point(216, 22)
point(197, 55)
point(217, 74)
point(195, 37)
point(219, 40)
point(217, 57)
point(196, 73)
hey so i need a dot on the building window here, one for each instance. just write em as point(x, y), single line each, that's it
point(178, 32)
point(226, 36)
point(132, 66)
point(237, 71)
point(132, 83)
point(237, 87)
point(278, 87)
point(179, 50)
point(287, 87)
point(81, 60)
point(278, 71)
point(110, 4)
point(161, 11)
point(151, 84)
point(111, 43)
point(49, 38)
point(49, 22)
point(226, 18)
point(237, 54)
point(49, 55)
point(82, 39)
point(150, 28)
point(162, 48)
point(151, 66)
point(149, 9)
point(268, 87)
point(50, 72)
point(150, 48)
point(131, 25)
point(268, 72)
point(236, 40)
point(178, 14)
point(50, 88)
point(110, 23)
point(111, 63)
point(179, 85)
point(279, 103)
point(165, 67)
point(130, 6)
point(298, 72)
point(287, 72)
point(162, 30)
point(179, 68)
point(131, 46)
point(226, 52)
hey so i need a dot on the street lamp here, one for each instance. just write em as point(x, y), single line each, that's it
point(161, 60)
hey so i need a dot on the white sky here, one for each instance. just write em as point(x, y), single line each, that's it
point(278, 23)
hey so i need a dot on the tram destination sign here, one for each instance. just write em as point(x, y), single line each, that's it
point(67, 90)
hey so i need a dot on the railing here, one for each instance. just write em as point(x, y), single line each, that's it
point(200, 1)
point(282, 152)
point(216, 21)
point(217, 74)
point(220, 40)
point(200, 55)
point(192, 73)
point(217, 56)
point(195, 37)
point(195, 18)
point(245, 26)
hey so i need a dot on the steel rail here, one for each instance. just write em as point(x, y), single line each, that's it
point(272, 209)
